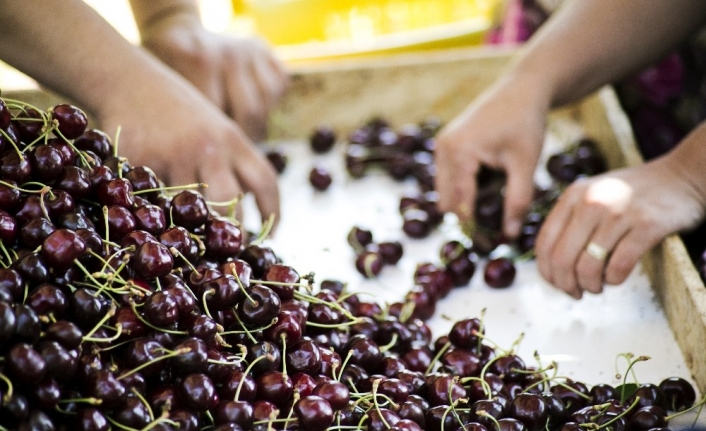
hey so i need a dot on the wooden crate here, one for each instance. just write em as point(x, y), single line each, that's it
point(411, 87)
point(414, 86)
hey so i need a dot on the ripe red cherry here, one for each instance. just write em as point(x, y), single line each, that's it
point(96, 141)
point(369, 264)
point(71, 120)
point(5, 115)
point(499, 273)
point(277, 159)
point(322, 139)
point(320, 178)
point(314, 413)
point(189, 209)
point(62, 247)
point(224, 238)
point(152, 259)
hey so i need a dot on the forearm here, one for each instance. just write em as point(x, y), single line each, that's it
point(687, 160)
point(587, 44)
point(67, 47)
point(147, 13)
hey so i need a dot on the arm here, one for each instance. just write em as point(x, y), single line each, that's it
point(239, 75)
point(166, 123)
point(583, 46)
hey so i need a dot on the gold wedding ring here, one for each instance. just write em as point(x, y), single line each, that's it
point(596, 251)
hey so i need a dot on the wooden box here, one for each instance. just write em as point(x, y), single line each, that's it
point(415, 86)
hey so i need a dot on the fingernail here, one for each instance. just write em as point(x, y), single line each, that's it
point(513, 228)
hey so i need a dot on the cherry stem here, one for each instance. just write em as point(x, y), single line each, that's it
point(117, 141)
point(484, 384)
point(23, 190)
point(102, 286)
point(90, 400)
point(242, 325)
point(119, 425)
point(206, 293)
point(272, 323)
point(283, 337)
point(102, 321)
point(631, 363)
point(170, 354)
point(8, 395)
point(295, 399)
point(436, 357)
point(376, 383)
point(389, 345)
point(333, 325)
point(343, 365)
point(54, 128)
point(12, 142)
point(133, 306)
point(117, 335)
point(144, 402)
point(177, 253)
point(242, 288)
point(699, 405)
point(7, 255)
point(622, 414)
point(172, 188)
point(246, 373)
point(265, 230)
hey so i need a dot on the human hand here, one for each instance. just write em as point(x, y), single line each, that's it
point(601, 226)
point(240, 75)
point(170, 126)
point(503, 129)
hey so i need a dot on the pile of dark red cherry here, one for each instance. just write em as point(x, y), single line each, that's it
point(125, 305)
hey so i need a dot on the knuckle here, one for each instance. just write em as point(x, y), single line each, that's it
point(618, 270)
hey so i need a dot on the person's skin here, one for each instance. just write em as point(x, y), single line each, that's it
point(585, 45)
point(240, 75)
point(166, 122)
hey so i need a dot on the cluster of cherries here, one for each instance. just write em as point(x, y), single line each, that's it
point(127, 305)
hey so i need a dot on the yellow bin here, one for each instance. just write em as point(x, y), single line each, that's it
point(321, 29)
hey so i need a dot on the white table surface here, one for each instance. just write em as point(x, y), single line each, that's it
point(584, 337)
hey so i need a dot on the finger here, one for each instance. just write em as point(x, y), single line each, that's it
point(550, 232)
point(245, 105)
point(257, 175)
point(455, 180)
point(518, 195)
point(590, 270)
point(627, 253)
point(270, 80)
point(223, 186)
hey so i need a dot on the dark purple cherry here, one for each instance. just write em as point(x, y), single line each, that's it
point(646, 418)
point(499, 273)
point(390, 252)
point(62, 247)
point(133, 414)
point(259, 307)
point(116, 192)
point(149, 218)
point(198, 392)
point(152, 259)
point(33, 267)
point(96, 141)
point(8, 228)
point(189, 209)
point(314, 413)
point(649, 395)
point(46, 163)
point(35, 232)
point(224, 238)
point(59, 202)
point(466, 333)
point(369, 264)
point(322, 139)
point(277, 159)
point(359, 238)
point(259, 257)
point(71, 120)
point(679, 393)
point(320, 178)
point(275, 387)
point(120, 222)
point(531, 410)
point(47, 299)
point(416, 223)
point(161, 309)
point(336, 393)
point(222, 293)
point(180, 239)
point(238, 412)
point(381, 419)
point(444, 390)
point(90, 418)
point(103, 385)
point(75, 181)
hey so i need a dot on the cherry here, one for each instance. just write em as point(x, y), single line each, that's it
point(444, 390)
point(390, 252)
point(71, 120)
point(75, 181)
point(120, 222)
point(9, 195)
point(37, 420)
point(602, 393)
point(530, 409)
point(369, 264)
point(277, 159)
point(272, 357)
point(499, 273)
point(259, 257)
point(62, 247)
point(648, 417)
point(189, 209)
point(5, 115)
point(47, 299)
point(223, 237)
point(320, 178)
point(33, 267)
point(322, 139)
point(275, 387)
point(152, 259)
point(90, 419)
point(465, 333)
point(416, 223)
point(180, 239)
point(488, 407)
point(198, 392)
point(381, 419)
point(359, 238)
point(8, 228)
point(103, 385)
point(336, 393)
point(236, 379)
point(46, 162)
point(133, 414)
point(679, 393)
point(572, 393)
point(461, 362)
point(161, 309)
point(96, 141)
point(59, 202)
point(282, 274)
point(238, 412)
point(25, 363)
point(86, 308)
point(194, 360)
point(314, 413)
point(14, 168)
point(259, 307)
point(418, 358)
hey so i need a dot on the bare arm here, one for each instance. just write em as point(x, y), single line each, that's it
point(587, 44)
point(166, 122)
